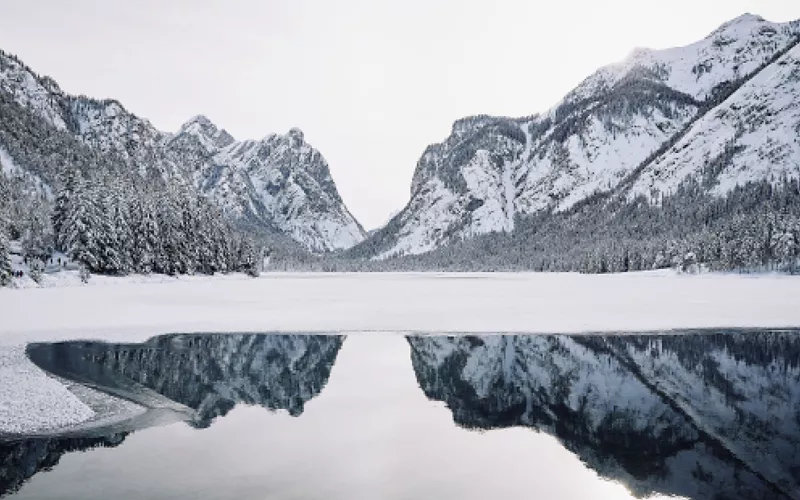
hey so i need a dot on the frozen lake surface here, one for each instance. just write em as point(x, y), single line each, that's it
point(709, 414)
point(429, 302)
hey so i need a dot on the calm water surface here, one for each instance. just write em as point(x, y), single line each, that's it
point(694, 415)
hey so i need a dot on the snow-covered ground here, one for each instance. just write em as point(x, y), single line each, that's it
point(136, 308)
point(32, 401)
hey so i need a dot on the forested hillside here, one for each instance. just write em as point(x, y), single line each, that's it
point(88, 181)
point(58, 194)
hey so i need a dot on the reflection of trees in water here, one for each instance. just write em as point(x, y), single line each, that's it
point(20, 460)
point(703, 416)
point(208, 373)
point(214, 373)
point(696, 415)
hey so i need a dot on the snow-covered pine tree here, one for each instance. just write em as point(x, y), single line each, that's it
point(121, 221)
point(212, 239)
point(107, 237)
point(62, 209)
point(250, 257)
point(151, 235)
point(173, 258)
point(193, 240)
point(5, 258)
point(37, 232)
point(220, 235)
point(81, 227)
point(143, 228)
point(204, 240)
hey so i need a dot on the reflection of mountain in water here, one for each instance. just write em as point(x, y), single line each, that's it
point(698, 415)
point(22, 459)
point(209, 374)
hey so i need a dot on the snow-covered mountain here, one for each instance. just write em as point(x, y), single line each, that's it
point(696, 415)
point(723, 110)
point(280, 182)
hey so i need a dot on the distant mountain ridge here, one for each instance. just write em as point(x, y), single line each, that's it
point(722, 111)
point(280, 182)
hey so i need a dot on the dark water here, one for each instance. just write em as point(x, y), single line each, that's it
point(695, 415)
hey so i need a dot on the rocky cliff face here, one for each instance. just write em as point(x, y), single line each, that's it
point(280, 182)
point(640, 127)
point(700, 416)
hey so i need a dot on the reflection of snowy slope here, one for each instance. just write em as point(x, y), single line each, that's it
point(207, 373)
point(695, 416)
point(743, 391)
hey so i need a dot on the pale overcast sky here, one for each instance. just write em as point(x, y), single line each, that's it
point(371, 82)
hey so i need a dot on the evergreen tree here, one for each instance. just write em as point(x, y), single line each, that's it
point(5, 258)
point(145, 244)
point(110, 249)
point(250, 257)
point(37, 232)
point(62, 209)
point(81, 226)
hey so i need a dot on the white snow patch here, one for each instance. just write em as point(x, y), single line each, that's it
point(31, 401)
point(424, 302)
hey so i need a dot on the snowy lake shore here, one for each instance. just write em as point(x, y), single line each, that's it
point(132, 309)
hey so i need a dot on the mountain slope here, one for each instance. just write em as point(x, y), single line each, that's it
point(280, 182)
point(606, 135)
point(752, 135)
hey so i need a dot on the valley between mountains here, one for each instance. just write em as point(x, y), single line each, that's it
point(687, 157)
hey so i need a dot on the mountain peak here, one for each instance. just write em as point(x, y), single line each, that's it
point(197, 120)
point(296, 133)
point(744, 20)
point(205, 130)
point(747, 18)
